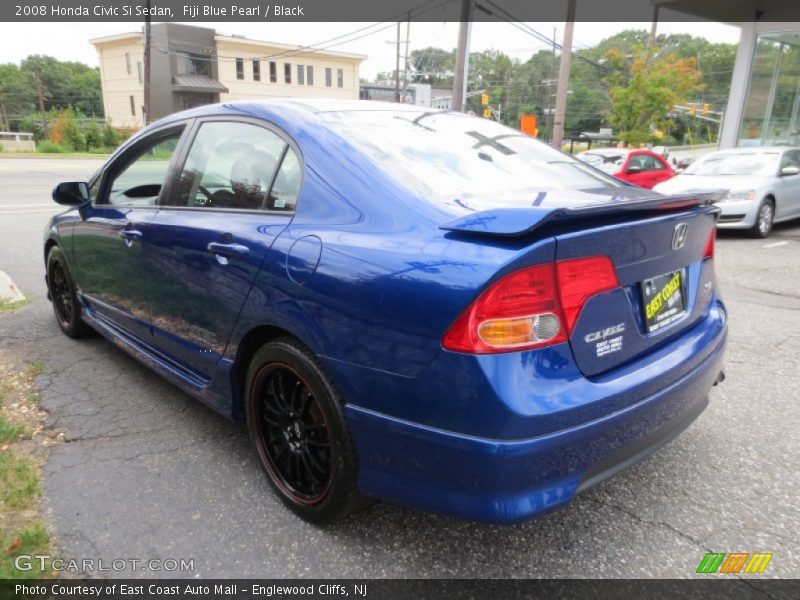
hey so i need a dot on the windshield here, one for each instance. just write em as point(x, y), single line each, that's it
point(469, 162)
point(736, 163)
point(608, 163)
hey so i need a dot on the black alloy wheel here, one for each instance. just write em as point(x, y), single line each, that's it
point(295, 416)
point(293, 434)
point(63, 296)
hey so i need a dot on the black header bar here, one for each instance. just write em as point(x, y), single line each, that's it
point(729, 11)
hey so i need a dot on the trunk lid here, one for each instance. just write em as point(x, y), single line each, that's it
point(665, 285)
point(657, 246)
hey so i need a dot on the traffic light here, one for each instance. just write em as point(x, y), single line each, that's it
point(693, 110)
point(484, 99)
point(706, 107)
point(487, 113)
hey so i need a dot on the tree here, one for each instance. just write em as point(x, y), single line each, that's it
point(643, 94)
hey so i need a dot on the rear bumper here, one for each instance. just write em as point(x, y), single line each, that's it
point(505, 481)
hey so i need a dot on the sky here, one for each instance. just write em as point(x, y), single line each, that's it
point(70, 41)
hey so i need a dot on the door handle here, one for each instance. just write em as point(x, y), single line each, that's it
point(228, 250)
point(130, 235)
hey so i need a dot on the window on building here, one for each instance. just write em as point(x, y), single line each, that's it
point(133, 107)
point(309, 75)
point(273, 72)
point(287, 73)
point(328, 77)
point(256, 70)
point(193, 64)
point(301, 72)
point(340, 78)
point(139, 71)
point(239, 68)
point(128, 62)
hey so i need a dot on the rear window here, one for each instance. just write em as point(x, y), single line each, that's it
point(470, 162)
point(608, 163)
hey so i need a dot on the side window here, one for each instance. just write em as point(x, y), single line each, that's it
point(139, 181)
point(283, 195)
point(230, 165)
point(653, 164)
point(636, 162)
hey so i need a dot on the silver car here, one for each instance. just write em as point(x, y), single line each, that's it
point(762, 184)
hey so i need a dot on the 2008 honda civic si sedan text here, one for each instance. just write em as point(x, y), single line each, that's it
point(413, 305)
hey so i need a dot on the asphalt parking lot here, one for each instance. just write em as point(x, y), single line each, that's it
point(146, 472)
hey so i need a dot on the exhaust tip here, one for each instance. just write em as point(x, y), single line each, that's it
point(720, 378)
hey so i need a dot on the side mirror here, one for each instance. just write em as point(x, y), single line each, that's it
point(633, 170)
point(71, 193)
point(790, 171)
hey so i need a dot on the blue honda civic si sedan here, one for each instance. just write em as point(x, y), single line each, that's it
point(413, 305)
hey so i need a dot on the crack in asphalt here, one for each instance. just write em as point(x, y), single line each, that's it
point(640, 519)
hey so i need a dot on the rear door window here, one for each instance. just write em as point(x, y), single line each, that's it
point(230, 166)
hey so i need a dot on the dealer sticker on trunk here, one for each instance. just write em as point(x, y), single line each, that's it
point(663, 300)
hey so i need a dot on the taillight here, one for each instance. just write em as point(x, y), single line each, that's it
point(712, 239)
point(518, 311)
point(530, 308)
point(581, 278)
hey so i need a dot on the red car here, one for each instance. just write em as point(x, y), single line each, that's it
point(639, 167)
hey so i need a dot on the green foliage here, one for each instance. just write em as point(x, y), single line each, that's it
point(48, 147)
point(644, 87)
point(65, 85)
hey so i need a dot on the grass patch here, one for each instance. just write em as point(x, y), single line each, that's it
point(30, 539)
point(5, 389)
point(9, 305)
point(34, 397)
point(10, 431)
point(34, 369)
point(19, 481)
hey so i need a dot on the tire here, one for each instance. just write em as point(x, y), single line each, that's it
point(296, 422)
point(764, 220)
point(63, 296)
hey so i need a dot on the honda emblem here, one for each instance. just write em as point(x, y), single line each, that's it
point(679, 236)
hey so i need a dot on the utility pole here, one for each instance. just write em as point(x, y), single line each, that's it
point(653, 27)
point(563, 76)
point(397, 67)
point(146, 118)
point(4, 124)
point(548, 121)
point(408, 41)
point(462, 56)
point(37, 80)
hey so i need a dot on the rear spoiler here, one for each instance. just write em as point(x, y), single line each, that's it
point(513, 222)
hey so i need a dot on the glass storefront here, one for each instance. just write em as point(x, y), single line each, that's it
point(773, 94)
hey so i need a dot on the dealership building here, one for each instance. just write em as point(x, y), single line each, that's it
point(191, 66)
point(763, 106)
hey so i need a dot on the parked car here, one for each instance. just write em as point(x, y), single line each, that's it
point(643, 168)
point(413, 305)
point(761, 186)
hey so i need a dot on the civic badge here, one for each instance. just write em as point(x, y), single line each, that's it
point(679, 236)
